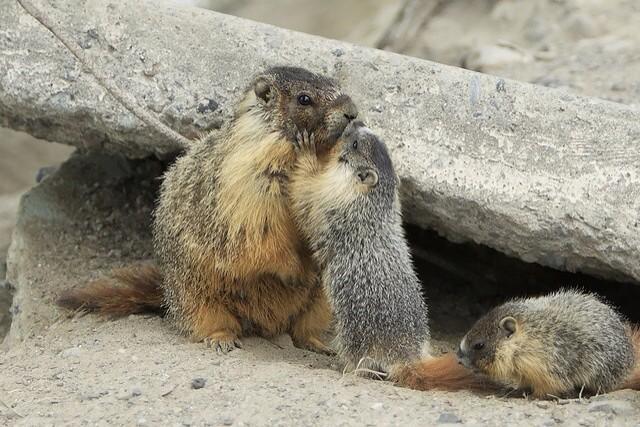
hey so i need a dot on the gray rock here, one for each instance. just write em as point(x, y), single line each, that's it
point(448, 418)
point(198, 383)
point(6, 297)
point(45, 172)
point(129, 394)
point(227, 421)
point(538, 174)
point(93, 395)
point(615, 407)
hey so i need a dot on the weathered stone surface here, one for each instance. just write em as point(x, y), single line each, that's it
point(536, 173)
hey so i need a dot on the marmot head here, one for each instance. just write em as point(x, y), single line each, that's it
point(293, 99)
point(367, 158)
point(491, 342)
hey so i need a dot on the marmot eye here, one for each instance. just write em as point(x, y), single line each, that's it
point(354, 144)
point(304, 100)
point(478, 346)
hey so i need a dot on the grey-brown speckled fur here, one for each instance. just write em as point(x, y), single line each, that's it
point(348, 208)
point(554, 345)
point(232, 260)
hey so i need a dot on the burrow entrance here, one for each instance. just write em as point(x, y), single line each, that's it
point(461, 282)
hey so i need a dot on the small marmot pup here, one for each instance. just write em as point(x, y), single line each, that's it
point(559, 345)
point(229, 258)
point(346, 205)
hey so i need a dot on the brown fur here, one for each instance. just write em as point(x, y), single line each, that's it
point(231, 257)
point(532, 369)
point(130, 290)
point(564, 344)
point(633, 382)
point(441, 373)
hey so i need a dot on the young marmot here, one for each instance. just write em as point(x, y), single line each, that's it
point(348, 209)
point(229, 257)
point(346, 205)
point(559, 345)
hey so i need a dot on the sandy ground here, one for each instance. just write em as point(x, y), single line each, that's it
point(137, 372)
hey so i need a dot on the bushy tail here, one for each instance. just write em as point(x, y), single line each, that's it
point(633, 382)
point(133, 289)
point(442, 373)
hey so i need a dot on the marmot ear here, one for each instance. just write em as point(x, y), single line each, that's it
point(509, 325)
point(263, 89)
point(368, 177)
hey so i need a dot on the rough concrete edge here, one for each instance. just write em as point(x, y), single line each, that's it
point(479, 109)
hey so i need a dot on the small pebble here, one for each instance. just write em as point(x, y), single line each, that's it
point(92, 395)
point(207, 105)
point(45, 172)
point(448, 418)
point(198, 383)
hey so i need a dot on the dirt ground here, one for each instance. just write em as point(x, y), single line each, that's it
point(84, 371)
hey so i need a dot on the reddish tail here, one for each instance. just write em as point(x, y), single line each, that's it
point(633, 382)
point(442, 373)
point(138, 292)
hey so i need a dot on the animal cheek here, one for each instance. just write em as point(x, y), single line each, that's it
point(315, 123)
point(482, 362)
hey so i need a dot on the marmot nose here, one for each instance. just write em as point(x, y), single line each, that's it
point(349, 109)
point(463, 359)
point(351, 112)
point(351, 116)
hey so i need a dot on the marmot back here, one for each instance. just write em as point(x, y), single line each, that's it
point(556, 345)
